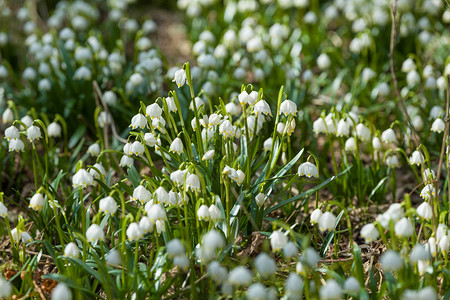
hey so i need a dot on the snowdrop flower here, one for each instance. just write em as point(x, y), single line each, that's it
point(94, 172)
point(369, 232)
point(240, 276)
point(343, 128)
point(436, 111)
point(104, 118)
point(203, 213)
point(61, 292)
point(198, 103)
point(408, 65)
point(176, 146)
point(150, 139)
point(8, 116)
point(268, 144)
point(27, 120)
point(192, 183)
point(145, 224)
point(246, 98)
point(82, 179)
point(138, 121)
point(161, 195)
point(180, 77)
point(424, 211)
point(134, 232)
point(137, 148)
point(175, 248)
point(153, 111)
point(110, 98)
point(16, 145)
point(376, 144)
point(240, 177)
point(108, 205)
point(95, 233)
point(12, 133)
point(126, 161)
point(141, 194)
point(182, 261)
point(392, 161)
point(226, 129)
point(294, 286)
point(290, 250)
point(444, 244)
point(82, 73)
point(54, 130)
point(310, 257)
point(323, 61)
point(442, 231)
point(315, 216)
point(362, 132)
point(388, 136)
point(71, 250)
point(3, 210)
point(171, 104)
point(113, 258)
point(417, 158)
point(412, 78)
point(419, 253)
point(37, 202)
point(428, 191)
point(262, 107)
point(288, 107)
point(327, 221)
point(217, 272)
point(178, 177)
point(391, 261)
point(404, 228)
point(350, 144)
point(94, 150)
point(208, 155)
point(431, 246)
point(308, 169)
point(260, 199)
point(256, 291)
point(319, 126)
point(33, 133)
point(278, 240)
point(265, 265)
point(26, 237)
point(352, 285)
point(331, 290)
point(438, 125)
point(215, 213)
point(156, 213)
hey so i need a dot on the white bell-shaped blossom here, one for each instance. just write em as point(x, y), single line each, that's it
point(308, 169)
point(343, 128)
point(369, 232)
point(71, 250)
point(141, 194)
point(208, 155)
point(138, 121)
point(153, 111)
point(146, 225)
point(134, 232)
point(12, 133)
point(108, 205)
point(82, 179)
point(331, 290)
point(392, 161)
point(262, 107)
point(294, 286)
point(404, 228)
point(438, 125)
point(288, 107)
point(156, 213)
point(175, 248)
point(417, 158)
point(425, 211)
point(54, 130)
point(61, 292)
point(352, 285)
point(192, 183)
point(176, 146)
point(100, 169)
point(391, 261)
point(214, 213)
point(33, 133)
point(16, 145)
point(278, 240)
point(114, 258)
point(428, 192)
point(246, 98)
point(217, 272)
point(226, 129)
point(327, 221)
point(95, 233)
point(350, 144)
point(240, 276)
point(265, 265)
point(180, 77)
point(315, 216)
point(94, 149)
point(3, 210)
point(203, 213)
point(362, 132)
point(161, 196)
point(37, 202)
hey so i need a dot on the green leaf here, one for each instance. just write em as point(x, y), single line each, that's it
point(134, 176)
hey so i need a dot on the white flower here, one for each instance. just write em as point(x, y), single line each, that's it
point(175, 248)
point(134, 232)
point(94, 150)
point(419, 253)
point(391, 261)
point(8, 116)
point(215, 213)
point(208, 155)
point(265, 265)
point(54, 130)
point(138, 121)
point(308, 169)
point(392, 161)
point(268, 144)
point(260, 199)
point(61, 292)
point(388, 136)
point(319, 126)
point(153, 111)
point(352, 285)
point(192, 183)
point(3, 210)
point(315, 216)
point(404, 228)
point(176, 146)
point(82, 179)
point(428, 191)
point(323, 61)
point(288, 107)
point(294, 286)
point(12, 133)
point(33, 133)
point(444, 244)
point(141, 194)
point(256, 291)
point(278, 240)
point(240, 177)
point(126, 161)
point(71, 250)
point(262, 107)
point(156, 213)
point(290, 250)
point(182, 261)
point(213, 240)
point(104, 118)
point(26, 237)
point(438, 125)
point(226, 129)
point(240, 276)
point(178, 177)
point(198, 103)
point(137, 148)
point(327, 221)
point(424, 211)
point(369, 232)
point(94, 172)
point(113, 258)
point(376, 143)
point(417, 158)
point(343, 128)
point(16, 145)
point(161, 195)
point(428, 175)
point(95, 233)
point(171, 104)
point(331, 290)
point(37, 202)
point(150, 139)
point(203, 213)
point(145, 224)
point(110, 98)
point(412, 78)
point(108, 205)
point(217, 272)
point(246, 98)
point(180, 77)
point(362, 132)
point(408, 65)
